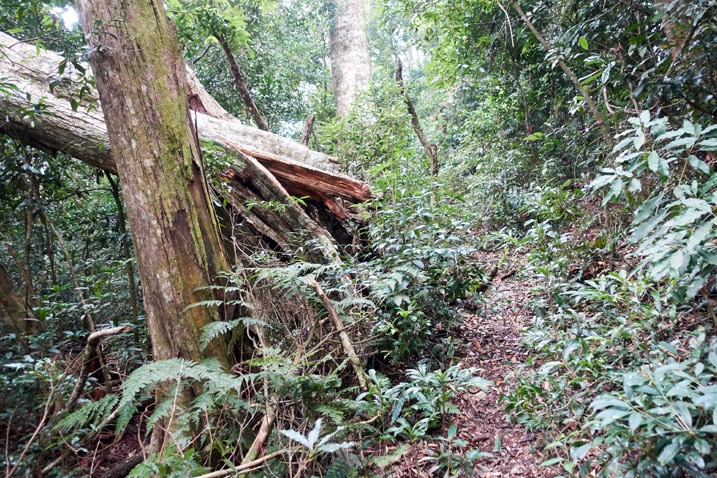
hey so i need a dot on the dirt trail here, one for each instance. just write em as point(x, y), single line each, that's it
point(492, 338)
point(491, 342)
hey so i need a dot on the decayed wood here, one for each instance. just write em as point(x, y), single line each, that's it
point(203, 102)
point(274, 213)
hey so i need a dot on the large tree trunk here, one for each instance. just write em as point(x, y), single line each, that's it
point(141, 80)
point(350, 60)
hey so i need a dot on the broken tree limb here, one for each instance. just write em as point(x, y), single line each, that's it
point(287, 224)
point(430, 148)
point(345, 340)
point(90, 350)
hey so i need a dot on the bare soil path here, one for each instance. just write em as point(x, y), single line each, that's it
point(492, 337)
point(490, 341)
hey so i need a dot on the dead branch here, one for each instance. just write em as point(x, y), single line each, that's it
point(345, 340)
point(90, 350)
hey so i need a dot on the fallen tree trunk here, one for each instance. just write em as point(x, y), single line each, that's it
point(44, 118)
point(37, 108)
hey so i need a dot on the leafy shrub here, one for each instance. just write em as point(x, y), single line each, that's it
point(411, 409)
point(673, 226)
point(663, 422)
point(423, 266)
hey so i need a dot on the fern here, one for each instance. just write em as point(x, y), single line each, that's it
point(216, 381)
point(290, 279)
point(353, 302)
point(332, 411)
point(215, 329)
point(125, 414)
point(90, 413)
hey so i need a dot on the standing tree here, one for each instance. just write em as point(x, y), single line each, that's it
point(141, 80)
point(350, 60)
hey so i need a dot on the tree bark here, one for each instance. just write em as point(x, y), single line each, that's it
point(18, 316)
point(141, 80)
point(350, 59)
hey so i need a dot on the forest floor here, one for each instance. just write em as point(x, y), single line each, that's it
point(489, 340)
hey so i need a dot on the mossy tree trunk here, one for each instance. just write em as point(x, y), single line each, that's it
point(141, 80)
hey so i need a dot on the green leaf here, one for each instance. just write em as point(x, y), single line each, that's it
point(608, 401)
point(653, 161)
point(583, 43)
point(578, 453)
point(602, 180)
point(699, 236)
point(552, 461)
point(386, 460)
point(698, 164)
point(668, 453)
point(635, 421)
point(702, 446)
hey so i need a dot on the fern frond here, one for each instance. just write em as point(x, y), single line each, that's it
point(125, 414)
point(90, 413)
point(177, 370)
point(215, 329)
point(204, 303)
point(353, 302)
point(333, 412)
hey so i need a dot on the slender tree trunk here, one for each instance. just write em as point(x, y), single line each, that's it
point(592, 106)
point(240, 84)
point(350, 60)
point(31, 182)
point(16, 314)
point(308, 129)
point(124, 239)
point(141, 79)
point(430, 148)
